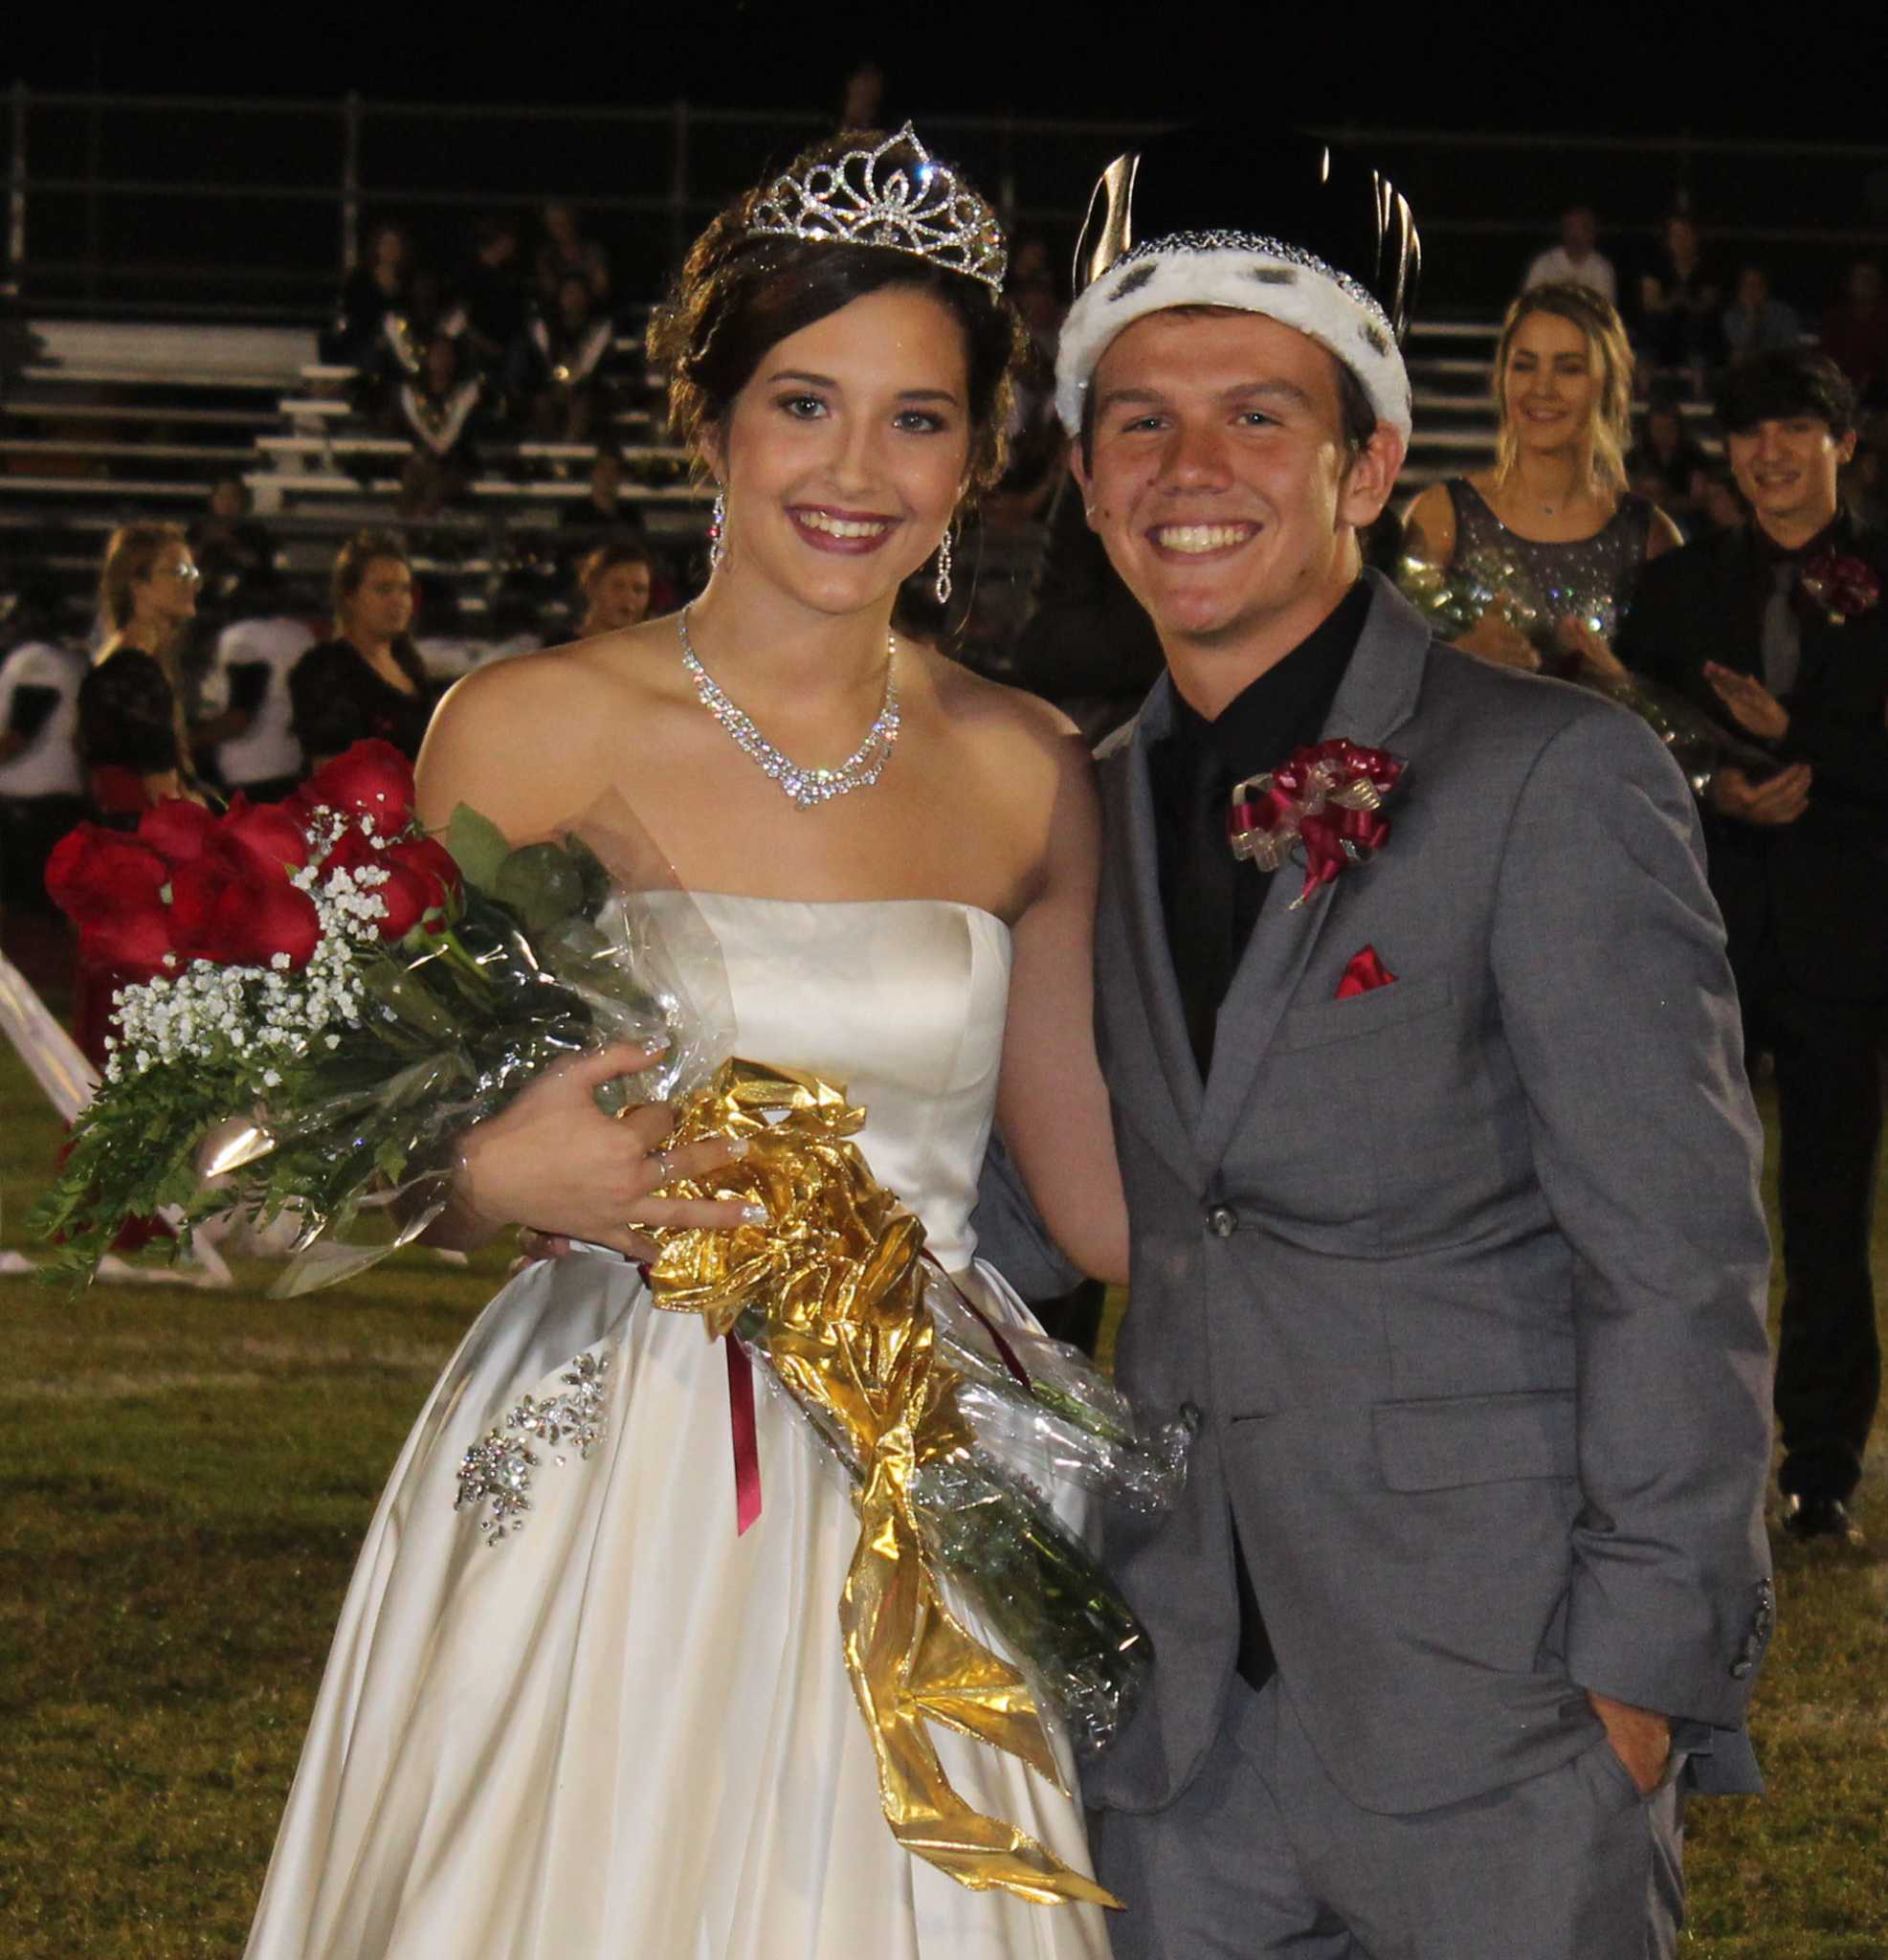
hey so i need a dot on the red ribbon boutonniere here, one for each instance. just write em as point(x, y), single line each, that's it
point(1325, 800)
point(1842, 586)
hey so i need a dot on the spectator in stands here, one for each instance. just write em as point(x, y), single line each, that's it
point(1680, 301)
point(1722, 506)
point(373, 288)
point(246, 736)
point(407, 330)
point(1552, 526)
point(566, 253)
point(41, 797)
point(1757, 321)
point(560, 369)
point(515, 615)
point(1577, 258)
point(367, 681)
point(1037, 450)
point(1854, 333)
point(1865, 481)
point(439, 412)
point(1032, 290)
point(605, 512)
point(230, 546)
point(616, 581)
point(447, 648)
point(491, 293)
point(862, 106)
point(131, 743)
point(130, 717)
point(1665, 463)
point(1085, 644)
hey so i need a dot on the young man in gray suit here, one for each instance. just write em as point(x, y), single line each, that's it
point(1440, 1161)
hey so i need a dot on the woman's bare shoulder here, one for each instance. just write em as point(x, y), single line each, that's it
point(994, 711)
point(533, 741)
point(1429, 525)
point(1025, 752)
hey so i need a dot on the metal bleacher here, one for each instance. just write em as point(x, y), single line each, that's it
point(109, 421)
point(106, 422)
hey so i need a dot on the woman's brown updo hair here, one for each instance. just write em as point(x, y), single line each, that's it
point(741, 294)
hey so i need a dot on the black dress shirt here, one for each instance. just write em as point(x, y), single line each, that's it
point(1212, 900)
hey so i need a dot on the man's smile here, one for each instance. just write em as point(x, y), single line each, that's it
point(1201, 540)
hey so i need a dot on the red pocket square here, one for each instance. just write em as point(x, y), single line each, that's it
point(1364, 973)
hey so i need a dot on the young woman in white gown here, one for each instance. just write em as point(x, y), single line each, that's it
point(629, 1731)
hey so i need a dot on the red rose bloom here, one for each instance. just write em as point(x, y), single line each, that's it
point(268, 835)
point(420, 878)
point(229, 908)
point(372, 780)
point(94, 873)
point(405, 894)
point(134, 938)
point(353, 848)
point(254, 922)
point(178, 830)
point(427, 858)
point(218, 913)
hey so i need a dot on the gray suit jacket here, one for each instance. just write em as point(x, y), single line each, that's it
point(1464, 1276)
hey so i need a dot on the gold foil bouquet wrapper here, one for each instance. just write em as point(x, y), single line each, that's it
point(945, 1421)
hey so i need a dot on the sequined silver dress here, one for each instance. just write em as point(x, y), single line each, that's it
point(1589, 579)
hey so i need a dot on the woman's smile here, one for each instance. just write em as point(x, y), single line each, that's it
point(851, 532)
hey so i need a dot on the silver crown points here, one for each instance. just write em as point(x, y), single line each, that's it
point(916, 205)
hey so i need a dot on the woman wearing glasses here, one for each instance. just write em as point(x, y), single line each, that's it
point(132, 746)
point(130, 720)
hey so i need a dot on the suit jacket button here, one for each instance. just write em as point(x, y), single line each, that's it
point(1222, 1220)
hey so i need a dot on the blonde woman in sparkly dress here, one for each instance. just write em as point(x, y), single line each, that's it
point(629, 1730)
point(1553, 511)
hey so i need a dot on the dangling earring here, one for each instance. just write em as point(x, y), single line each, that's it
point(943, 586)
point(717, 526)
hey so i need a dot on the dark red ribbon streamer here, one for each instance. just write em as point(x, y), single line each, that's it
point(990, 1327)
point(744, 1430)
point(747, 1437)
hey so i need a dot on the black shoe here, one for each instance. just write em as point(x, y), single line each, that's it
point(1808, 1518)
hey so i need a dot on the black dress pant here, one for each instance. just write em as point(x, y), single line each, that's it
point(1828, 1058)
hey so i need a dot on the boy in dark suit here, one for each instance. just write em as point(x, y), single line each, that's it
point(1780, 627)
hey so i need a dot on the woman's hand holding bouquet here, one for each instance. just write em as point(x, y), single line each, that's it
point(554, 1163)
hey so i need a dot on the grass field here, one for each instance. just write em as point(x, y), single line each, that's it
point(184, 1479)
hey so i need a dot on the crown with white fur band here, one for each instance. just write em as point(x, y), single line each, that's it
point(1247, 273)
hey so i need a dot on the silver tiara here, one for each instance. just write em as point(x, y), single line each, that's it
point(921, 207)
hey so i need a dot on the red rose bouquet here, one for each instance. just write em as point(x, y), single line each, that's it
point(319, 997)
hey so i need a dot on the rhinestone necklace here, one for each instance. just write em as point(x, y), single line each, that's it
point(807, 788)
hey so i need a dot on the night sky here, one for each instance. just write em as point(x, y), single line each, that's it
point(1813, 73)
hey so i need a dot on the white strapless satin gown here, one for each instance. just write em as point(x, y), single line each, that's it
point(627, 1731)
